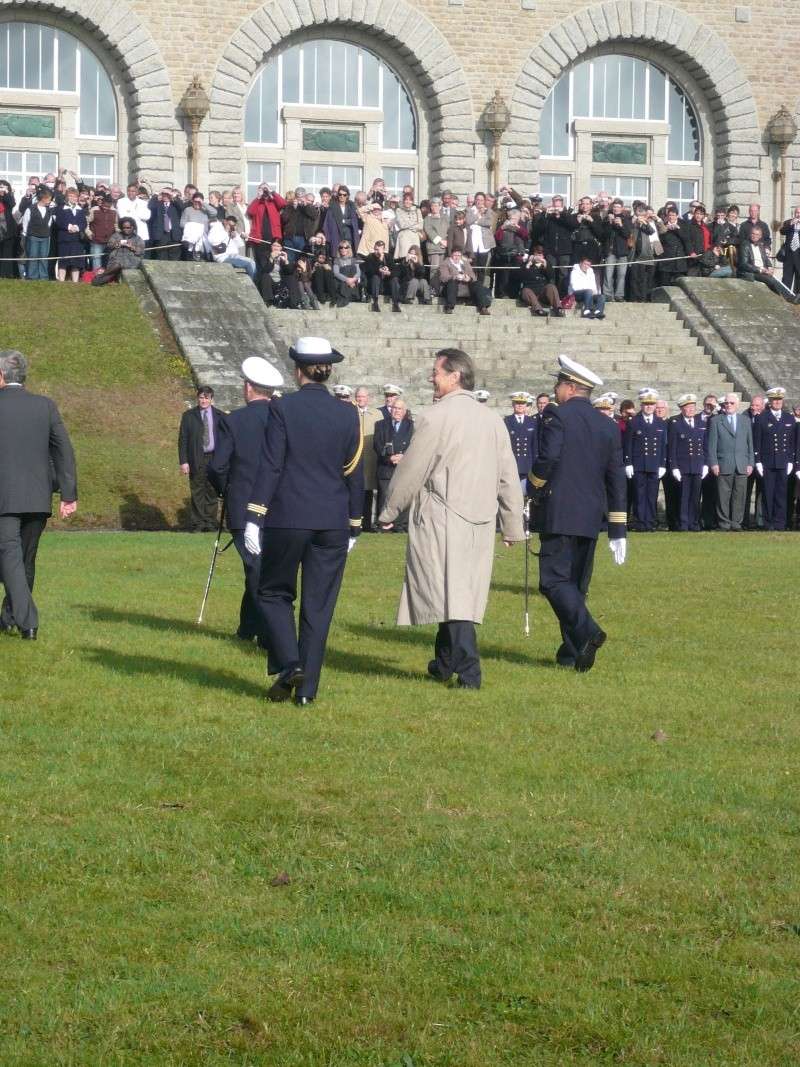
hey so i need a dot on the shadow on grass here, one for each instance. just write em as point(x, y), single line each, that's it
point(160, 623)
point(356, 663)
point(204, 677)
point(405, 635)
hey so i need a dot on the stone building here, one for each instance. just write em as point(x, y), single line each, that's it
point(642, 97)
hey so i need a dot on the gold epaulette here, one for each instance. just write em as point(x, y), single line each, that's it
point(351, 466)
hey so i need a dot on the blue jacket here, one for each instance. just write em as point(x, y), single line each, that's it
point(240, 448)
point(687, 446)
point(774, 438)
point(645, 446)
point(524, 441)
point(311, 475)
point(579, 468)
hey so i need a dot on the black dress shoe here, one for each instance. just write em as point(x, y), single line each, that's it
point(303, 702)
point(435, 672)
point(461, 684)
point(6, 627)
point(287, 680)
point(584, 661)
point(29, 635)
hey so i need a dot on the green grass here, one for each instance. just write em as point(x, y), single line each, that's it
point(519, 876)
point(121, 390)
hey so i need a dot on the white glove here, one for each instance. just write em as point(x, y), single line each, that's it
point(760, 469)
point(789, 468)
point(676, 474)
point(618, 546)
point(252, 538)
point(661, 472)
point(703, 473)
point(351, 544)
point(629, 472)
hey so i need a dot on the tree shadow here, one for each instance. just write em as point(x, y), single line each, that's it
point(415, 636)
point(355, 663)
point(517, 590)
point(155, 622)
point(205, 677)
point(136, 514)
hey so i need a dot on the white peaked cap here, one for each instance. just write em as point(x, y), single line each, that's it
point(571, 371)
point(395, 389)
point(261, 372)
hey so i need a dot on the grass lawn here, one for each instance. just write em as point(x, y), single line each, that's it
point(519, 876)
point(121, 390)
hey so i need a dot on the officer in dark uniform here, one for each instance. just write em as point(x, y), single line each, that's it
point(688, 460)
point(308, 496)
point(577, 484)
point(390, 394)
point(774, 443)
point(645, 452)
point(522, 431)
point(232, 471)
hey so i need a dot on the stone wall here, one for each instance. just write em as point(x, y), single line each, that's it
point(457, 53)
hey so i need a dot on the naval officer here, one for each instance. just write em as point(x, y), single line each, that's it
point(644, 448)
point(774, 442)
point(577, 483)
point(306, 502)
point(232, 471)
point(522, 430)
point(687, 450)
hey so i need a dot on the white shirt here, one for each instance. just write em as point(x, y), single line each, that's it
point(580, 280)
point(758, 259)
point(476, 237)
point(135, 209)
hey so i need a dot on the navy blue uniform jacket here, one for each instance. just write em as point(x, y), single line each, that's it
point(311, 476)
point(523, 441)
point(774, 435)
point(645, 446)
point(580, 466)
point(241, 446)
point(688, 446)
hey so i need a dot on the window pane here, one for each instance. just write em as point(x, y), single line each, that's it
point(396, 177)
point(626, 71)
point(338, 73)
point(32, 56)
point(612, 87)
point(48, 46)
point(67, 49)
point(291, 76)
point(391, 111)
point(682, 192)
point(408, 138)
point(657, 89)
point(371, 75)
point(676, 116)
point(691, 137)
point(323, 72)
point(639, 89)
point(580, 91)
point(599, 89)
point(554, 185)
point(351, 75)
point(561, 118)
point(88, 107)
point(252, 112)
point(258, 173)
point(16, 54)
point(309, 73)
point(268, 133)
point(4, 56)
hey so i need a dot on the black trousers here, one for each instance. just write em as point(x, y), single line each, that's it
point(641, 276)
point(324, 285)
point(645, 485)
point(378, 285)
point(205, 501)
point(456, 652)
point(400, 524)
point(689, 508)
point(19, 541)
point(791, 269)
point(774, 498)
point(672, 499)
point(708, 503)
point(565, 570)
point(366, 515)
point(754, 490)
point(322, 554)
point(250, 621)
point(479, 294)
point(166, 253)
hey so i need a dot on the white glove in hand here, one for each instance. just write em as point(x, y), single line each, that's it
point(703, 473)
point(618, 546)
point(661, 472)
point(252, 538)
point(789, 468)
point(629, 472)
point(351, 544)
point(760, 469)
point(797, 474)
point(676, 474)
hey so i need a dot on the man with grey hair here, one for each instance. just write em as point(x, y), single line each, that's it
point(33, 444)
point(731, 459)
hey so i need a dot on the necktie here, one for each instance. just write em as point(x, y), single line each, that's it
point(691, 424)
point(206, 430)
point(396, 426)
point(795, 245)
point(167, 221)
point(732, 423)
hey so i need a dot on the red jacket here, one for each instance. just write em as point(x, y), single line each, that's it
point(255, 213)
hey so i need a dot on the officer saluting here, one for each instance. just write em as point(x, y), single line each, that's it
point(577, 482)
point(774, 433)
point(232, 471)
point(308, 496)
point(522, 430)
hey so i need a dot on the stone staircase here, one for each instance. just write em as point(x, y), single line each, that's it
point(636, 345)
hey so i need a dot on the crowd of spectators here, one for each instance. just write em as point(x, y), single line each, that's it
point(333, 246)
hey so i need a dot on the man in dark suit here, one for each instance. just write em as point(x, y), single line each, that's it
point(197, 439)
point(390, 441)
point(523, 431)
point(755, 264)
point(644, 447)
point(165, 226)
point(774, 443)
point(731, 459)
point(308, 496)
point(688, 462)
point(33, 444)
point(577, 484)
point(232, 471)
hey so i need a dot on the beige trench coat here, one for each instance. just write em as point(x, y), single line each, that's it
point(369, 419)
point(458, 470)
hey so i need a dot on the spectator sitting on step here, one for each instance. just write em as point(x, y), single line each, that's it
point(304, 272)
point(755, 264)
point(380, 277)
point(278, 282)
point(536, 277)
point(125, 250)
point(458, 279)
point(413, 277)
point(323, 282)
point(715, 264)
point(583, 285)
point(195, 221)
point(347, 275)
point(226, 245)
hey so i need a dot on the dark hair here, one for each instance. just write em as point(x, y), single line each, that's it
point(454, 360)
point(129, 220)
point(205, 390)
point(317, 372)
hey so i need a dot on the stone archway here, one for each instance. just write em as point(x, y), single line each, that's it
point(118, 31)
point(406, 34)
point(679, 37)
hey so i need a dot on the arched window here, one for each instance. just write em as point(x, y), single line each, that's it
point(351, 112)
point(59, 106)
point(630, 120)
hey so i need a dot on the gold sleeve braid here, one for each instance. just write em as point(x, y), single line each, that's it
point(351, 466)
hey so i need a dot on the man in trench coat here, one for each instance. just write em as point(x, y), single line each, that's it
point(458, 470)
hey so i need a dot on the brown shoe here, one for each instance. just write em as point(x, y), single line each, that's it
point(484, 311)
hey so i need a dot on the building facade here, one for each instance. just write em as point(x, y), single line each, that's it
point(644, 98)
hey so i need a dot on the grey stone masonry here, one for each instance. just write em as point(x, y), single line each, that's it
point(219, 319)
point(636, 345)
